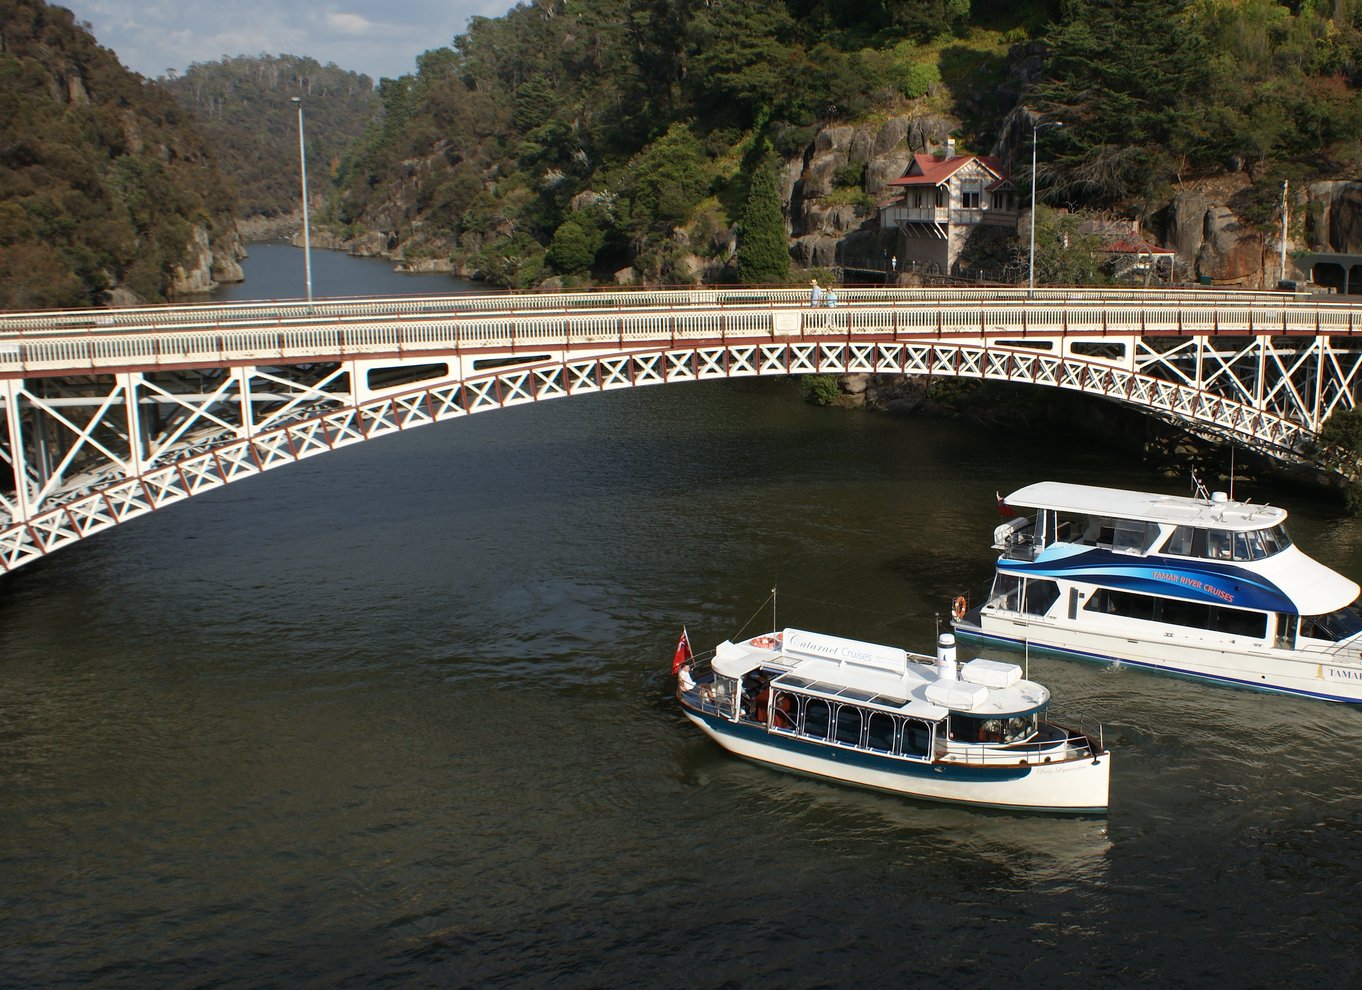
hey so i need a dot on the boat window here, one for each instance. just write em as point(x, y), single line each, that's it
point(1020, 727)
point(784, 711)
point(1275, 540)
point(1237, 622)
point(1179, 541)
point(880, 728)
point(1121, 603)
point(1183, 613)
point(1286, 631)
point(1006, 588)
point(1040, 594)
point(817, 717)
point(1335, 626)
point(970, 729)
point(724, 694)
point(1133, 537)
point(848, 725)
point(915, 738)
point(1178, 612)
point(1216, 544)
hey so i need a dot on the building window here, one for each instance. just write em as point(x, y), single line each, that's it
point(971, 193)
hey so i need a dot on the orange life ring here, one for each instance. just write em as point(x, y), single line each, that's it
point(959, 607)
point(765, 642)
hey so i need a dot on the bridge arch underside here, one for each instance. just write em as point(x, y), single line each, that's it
point(101, 449)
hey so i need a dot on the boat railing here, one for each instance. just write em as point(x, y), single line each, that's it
point(702, 696)
point(1079, 733)
point(1053, 744)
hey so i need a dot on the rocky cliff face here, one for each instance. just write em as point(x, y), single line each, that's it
point(208, 263)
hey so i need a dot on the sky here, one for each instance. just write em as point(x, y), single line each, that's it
point(376, 37)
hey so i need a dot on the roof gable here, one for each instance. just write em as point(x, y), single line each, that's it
point(929, 170)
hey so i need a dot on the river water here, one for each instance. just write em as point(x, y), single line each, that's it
point(400, 716)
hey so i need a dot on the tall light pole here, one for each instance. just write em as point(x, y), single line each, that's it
point(307, 232)
point(1031, 255)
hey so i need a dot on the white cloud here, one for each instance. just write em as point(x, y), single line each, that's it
point(350, 23)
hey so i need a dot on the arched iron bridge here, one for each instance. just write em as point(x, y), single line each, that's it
point(111, 414)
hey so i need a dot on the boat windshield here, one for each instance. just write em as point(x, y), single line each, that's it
point(993, 729)
point(1220, 544)
point(1335, 626)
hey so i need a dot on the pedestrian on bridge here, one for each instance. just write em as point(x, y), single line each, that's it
point(815, 293)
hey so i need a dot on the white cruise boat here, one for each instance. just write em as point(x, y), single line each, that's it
point(880, 717)
point(1205, 587)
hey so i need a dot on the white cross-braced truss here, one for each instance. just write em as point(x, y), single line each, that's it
point(101, 450)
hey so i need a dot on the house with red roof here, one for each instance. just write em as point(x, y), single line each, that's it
point(941, 199)
point(1132, 258)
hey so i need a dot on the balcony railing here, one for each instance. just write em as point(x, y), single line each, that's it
point(892, 215)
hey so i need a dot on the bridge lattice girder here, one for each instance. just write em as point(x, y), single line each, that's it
point(106, 425)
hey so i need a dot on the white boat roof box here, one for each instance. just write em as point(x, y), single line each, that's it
point(732, 660)
point(990, 673)
point(956, 695)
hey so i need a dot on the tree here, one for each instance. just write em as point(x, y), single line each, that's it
point(1130, 80)
point(1065, 254)
point(574, 247)
point(763, 245)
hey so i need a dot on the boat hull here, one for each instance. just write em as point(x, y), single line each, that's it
point(1320, 676)
point(1078, 786)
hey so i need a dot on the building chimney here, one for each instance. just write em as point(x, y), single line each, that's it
point(950, 147)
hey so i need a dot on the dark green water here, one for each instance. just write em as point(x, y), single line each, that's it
point(399, 716)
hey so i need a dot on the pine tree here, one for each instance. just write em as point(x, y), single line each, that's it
point(763, 247)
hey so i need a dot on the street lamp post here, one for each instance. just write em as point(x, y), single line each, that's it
point(307, 232)
point(1031, 255)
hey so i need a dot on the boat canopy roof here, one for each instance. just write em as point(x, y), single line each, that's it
point(883, 677)
point(1217, 512)
point(804, 679)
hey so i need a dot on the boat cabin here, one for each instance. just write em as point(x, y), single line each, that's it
point(1141, 523)
point(839, 692)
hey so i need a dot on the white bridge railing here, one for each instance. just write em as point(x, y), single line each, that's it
point(338, 329)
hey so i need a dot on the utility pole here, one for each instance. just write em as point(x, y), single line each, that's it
point(1283, 275)
point(302, 167)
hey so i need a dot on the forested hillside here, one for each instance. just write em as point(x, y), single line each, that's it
point(574, 137)
point(244, 109)
point(106, 189)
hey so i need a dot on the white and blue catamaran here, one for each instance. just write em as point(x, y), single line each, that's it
point(1200, 586)
point(880, 717)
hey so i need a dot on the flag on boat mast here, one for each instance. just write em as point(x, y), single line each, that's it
point(683, 653)
point(1005, 510)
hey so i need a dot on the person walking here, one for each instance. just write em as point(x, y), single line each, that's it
point(815, 293)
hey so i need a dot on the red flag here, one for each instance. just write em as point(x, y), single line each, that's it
point(683, 653)
point(1005, 510)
